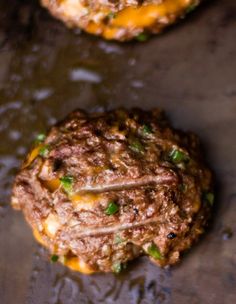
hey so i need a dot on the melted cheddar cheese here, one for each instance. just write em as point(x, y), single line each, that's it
point(77, 264)
point(146, 15)
point(130, 18)
point(85, 201)
point(31, 156)
point(73, 263)
point(79, 200)
point(38, 237)
point(52, 184)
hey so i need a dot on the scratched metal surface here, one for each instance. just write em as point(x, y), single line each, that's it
point(47, 71)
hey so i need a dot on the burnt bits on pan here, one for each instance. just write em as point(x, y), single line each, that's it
point(102, 189)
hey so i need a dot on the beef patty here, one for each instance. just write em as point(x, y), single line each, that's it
point(102, 189)
point(120, 20)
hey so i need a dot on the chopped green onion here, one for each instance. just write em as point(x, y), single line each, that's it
point(183, 187)
point(112, 208)
point(154, 252)
point(178, 156)
point(54, 258)
point(136, 146)
point(111, 15)
point(117, 267)
point(40, 138)
point(67, 183)
point(44, 150)
point(209, 197)
point(146, 129)
point(118, 239)
point(142, 37)
point(190, 8)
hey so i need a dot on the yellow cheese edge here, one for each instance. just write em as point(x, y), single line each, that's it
point(74, 263)
point(139, 17)
point(77, 264)
point(81, 201)
point(39, 238)
point(31, 156)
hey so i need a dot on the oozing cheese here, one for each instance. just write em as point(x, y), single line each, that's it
point(73, 263)
point(52, 184)
point(38, 237)
point(78, 265)
point(101, 19)
point(139, 17)
point(85, 201)
point(32, 155)
point(146, 15)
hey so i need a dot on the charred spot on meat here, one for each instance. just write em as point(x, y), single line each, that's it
point(120, 20)
point(102, 189)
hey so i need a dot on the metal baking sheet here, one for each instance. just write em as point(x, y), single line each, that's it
point(46, 71)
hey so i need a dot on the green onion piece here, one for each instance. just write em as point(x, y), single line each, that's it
point(40, 137)
point(154, 252)
point(146, 129)
point(111, 15)
point(183, 187)
point(112, 208)
point(117, 267)
point(44, 150)
point(178, 156)
point(136, 146)
point(142, 37)
point(209, 197)
point(190, 8)
point(67, 183)
point(54, 258)
point(118, 239)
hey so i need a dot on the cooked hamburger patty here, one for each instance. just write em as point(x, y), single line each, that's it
point(101, 189)
point(120, 20)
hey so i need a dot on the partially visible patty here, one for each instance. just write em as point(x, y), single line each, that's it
point(120, 20)
point(101, 189)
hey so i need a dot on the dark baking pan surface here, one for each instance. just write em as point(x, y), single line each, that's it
point(46, 71)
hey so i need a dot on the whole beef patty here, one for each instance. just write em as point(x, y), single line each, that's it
point(102, 189)
point(120, 19)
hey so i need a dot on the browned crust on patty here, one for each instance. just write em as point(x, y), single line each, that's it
point(122, 157)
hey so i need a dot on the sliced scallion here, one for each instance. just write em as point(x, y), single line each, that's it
point(142, 37)
point(67, 183)
point(209, 197)
point(177, 156)
point(190, 8)
point(117, 267)
point(146, 129)
point(44, 150)
point(118, 239)
point(136, 146)
point(40, 137)
point(154, 252)
point(112, 208)
point(54, 258)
